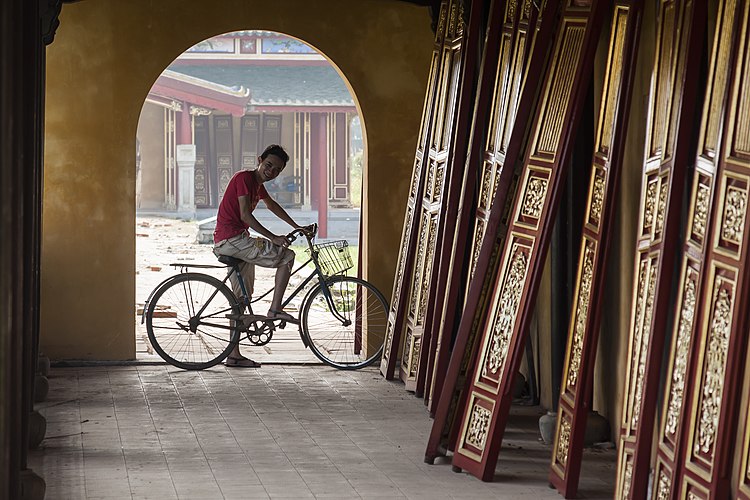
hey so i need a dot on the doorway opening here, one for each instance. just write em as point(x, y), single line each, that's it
point(211, 113)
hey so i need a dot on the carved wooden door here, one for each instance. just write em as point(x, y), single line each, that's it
point(513, 294)
point(507, 43)
point(224, 150)
point(577, 379)
point(428, 217)
point(671, 114)
point(202, 181)
point(672, 435)
point(405, 263)
point(713, 398)
point(506, 57)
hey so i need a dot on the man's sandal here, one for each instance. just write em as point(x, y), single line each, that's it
point(282, 316)
point(241, 362)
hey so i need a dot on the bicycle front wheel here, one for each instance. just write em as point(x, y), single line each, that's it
point(187, 322)
point(345, 321)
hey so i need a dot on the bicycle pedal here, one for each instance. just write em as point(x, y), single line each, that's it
point(282, 324)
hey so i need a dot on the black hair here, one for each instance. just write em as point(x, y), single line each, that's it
point(276, 150)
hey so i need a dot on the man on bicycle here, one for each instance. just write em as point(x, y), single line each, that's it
point(231, 238)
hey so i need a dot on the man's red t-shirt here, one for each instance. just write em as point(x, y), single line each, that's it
point(228, 220)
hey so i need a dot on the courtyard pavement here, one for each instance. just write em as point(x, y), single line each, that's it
point(281, 431)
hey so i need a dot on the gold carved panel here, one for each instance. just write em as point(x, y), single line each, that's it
point(732, 202)
point(742, 125)
point(596, 197)
point(650, 205)
point(557, 97)
point(534, 197)
point(563, 439)
point(642, 336)
point(702, 197)
point(475, 432)
point(680, 350)
point(720, 68)
point(664, 83)
point(613, 76)
point(503, 312)
point(583, 299)
point(713, 370)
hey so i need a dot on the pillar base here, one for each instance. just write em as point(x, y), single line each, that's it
point(597, 428)
point(41, 388)
point(43, 365)
point(37, 428)
point(33, 486)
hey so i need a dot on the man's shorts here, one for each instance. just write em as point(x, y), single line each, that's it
point(257, 251)
point(253, 251)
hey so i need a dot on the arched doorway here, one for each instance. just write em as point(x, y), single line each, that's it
point(209, 114)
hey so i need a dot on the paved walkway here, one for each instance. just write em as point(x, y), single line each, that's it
point(276, 432)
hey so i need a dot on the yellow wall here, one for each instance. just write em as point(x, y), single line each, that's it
point(106, 56)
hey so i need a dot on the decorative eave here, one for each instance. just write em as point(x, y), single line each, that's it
point(172, 86)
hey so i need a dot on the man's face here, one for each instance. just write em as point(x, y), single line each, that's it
point(270, 168)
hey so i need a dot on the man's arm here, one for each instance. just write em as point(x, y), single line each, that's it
point(248, 218)
point(279, 212)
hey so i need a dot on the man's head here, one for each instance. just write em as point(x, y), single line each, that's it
point(271, 162)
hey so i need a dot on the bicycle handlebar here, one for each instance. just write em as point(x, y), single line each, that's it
point(308, 231)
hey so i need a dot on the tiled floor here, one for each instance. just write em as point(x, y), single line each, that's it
point(282, 431)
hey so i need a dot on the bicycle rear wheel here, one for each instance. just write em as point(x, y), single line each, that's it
point(187, 324)
point(345, 322)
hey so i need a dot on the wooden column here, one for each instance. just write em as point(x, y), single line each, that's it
point(319, 155)
point(577, 381)
point(513, 293)
point(24, 31)
point(669, 148)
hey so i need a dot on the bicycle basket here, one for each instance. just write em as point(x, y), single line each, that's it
point(333, 257)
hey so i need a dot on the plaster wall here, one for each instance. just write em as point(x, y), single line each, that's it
point(106, 56)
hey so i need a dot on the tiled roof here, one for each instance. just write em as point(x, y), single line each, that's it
point(286, 85)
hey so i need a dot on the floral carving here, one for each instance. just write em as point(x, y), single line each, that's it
point(478, 236)
point(662, 212)
point(734, 214)
point(563, 441)
point(510, 297)
point(414, 356)
point(645, 338)
point(485, 192)
point(700, 217)
point(684, 333)
point(665, 485)
point(476, 434)
point(426, 272)
point(533, 201)
point(716, 358)
point(421, 251)
point(597, 199)
point(650, 206)
point(582, 313)
point(627, 479)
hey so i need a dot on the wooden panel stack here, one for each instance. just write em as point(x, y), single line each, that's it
point(583, 332)
point(513, 293)
point(671, 117)
point(507, 41)
point(713, 399)
point(405, 263)
point(672, 442)
point(505, 60)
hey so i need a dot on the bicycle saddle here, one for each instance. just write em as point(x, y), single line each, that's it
point(230, 261)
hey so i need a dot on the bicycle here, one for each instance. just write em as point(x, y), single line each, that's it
point(194, 320)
